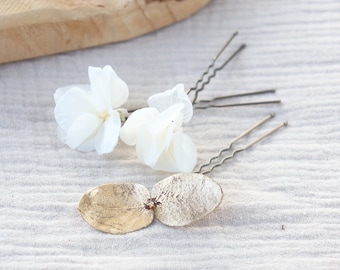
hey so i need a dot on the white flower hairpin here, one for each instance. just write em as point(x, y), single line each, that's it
point(178, 200)
point(88, 115)
point(157, 131)
point(90, 118)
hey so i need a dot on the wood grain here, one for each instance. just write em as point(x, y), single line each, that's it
point(35, 28)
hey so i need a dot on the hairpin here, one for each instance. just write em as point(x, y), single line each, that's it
point(211, 72)
point(214, 103)
point(178, 200)
point(206, 78)
point(157, 130)
point(89, 117)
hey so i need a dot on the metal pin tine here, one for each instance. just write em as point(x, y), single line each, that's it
point(243, 134)
point(224, 47)
point(212, 64)
point(209, 103)
point(207, 81)
point(267, 134)
point(245, 147)
point(237, 104)
point(237, 95)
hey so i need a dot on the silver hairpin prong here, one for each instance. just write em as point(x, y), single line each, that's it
point(237, 104)
point(212, 64)
point(243, 134)
point(207, 81)
point(253, 93)
point(209, 103)
point(239, 149)
point(267, 134)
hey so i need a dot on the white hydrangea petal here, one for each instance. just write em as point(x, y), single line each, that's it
point(88, 145)
point(149, 146)
point(170, 128)
point(160, 132)
point(168, 122)
point(166, 161)
point(180, 156)
point(119, 89)
point(106, 83)
point(99, 88)
point(185, 153)
point(153, 137)
point(62, 90)
point(171, 114)
point(133, 124)
point(71, 105)
point(168, 135)
point(81, 129)
point(108, 134)
point(162, 101)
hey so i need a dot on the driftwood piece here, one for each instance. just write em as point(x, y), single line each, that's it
point(32, 28)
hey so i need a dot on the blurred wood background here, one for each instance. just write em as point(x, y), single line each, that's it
point(31, 28)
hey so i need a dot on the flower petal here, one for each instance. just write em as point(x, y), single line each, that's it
point(170, 121)
point(135, 121)
point(106, 83)
point(185, 153)
point(107, 136)
point(149, 146)
point(162, 101)
point(71, 105)
point(88, 145)
point(180, 156)
point(153, 135)
point(81, 129)
point(62, 90)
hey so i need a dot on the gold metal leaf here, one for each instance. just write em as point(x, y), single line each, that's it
point(185, 198)
point(116, 208)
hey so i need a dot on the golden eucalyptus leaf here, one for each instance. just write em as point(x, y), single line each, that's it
point(185, 198)
point(116, 208)
point(178, 200)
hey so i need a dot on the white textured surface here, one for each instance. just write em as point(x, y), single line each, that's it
point(290, 179)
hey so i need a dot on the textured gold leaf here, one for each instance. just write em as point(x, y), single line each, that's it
point(185, 198)
point(116, 208)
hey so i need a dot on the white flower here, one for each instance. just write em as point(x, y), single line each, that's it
point(86, 114)
point(162, 101)
point(158, 134)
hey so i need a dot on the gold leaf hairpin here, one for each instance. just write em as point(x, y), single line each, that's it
point(177, 200)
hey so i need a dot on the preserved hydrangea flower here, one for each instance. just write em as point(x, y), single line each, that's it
point(158, 134)
point(87, 115)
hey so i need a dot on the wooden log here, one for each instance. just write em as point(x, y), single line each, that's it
point(32, 28)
